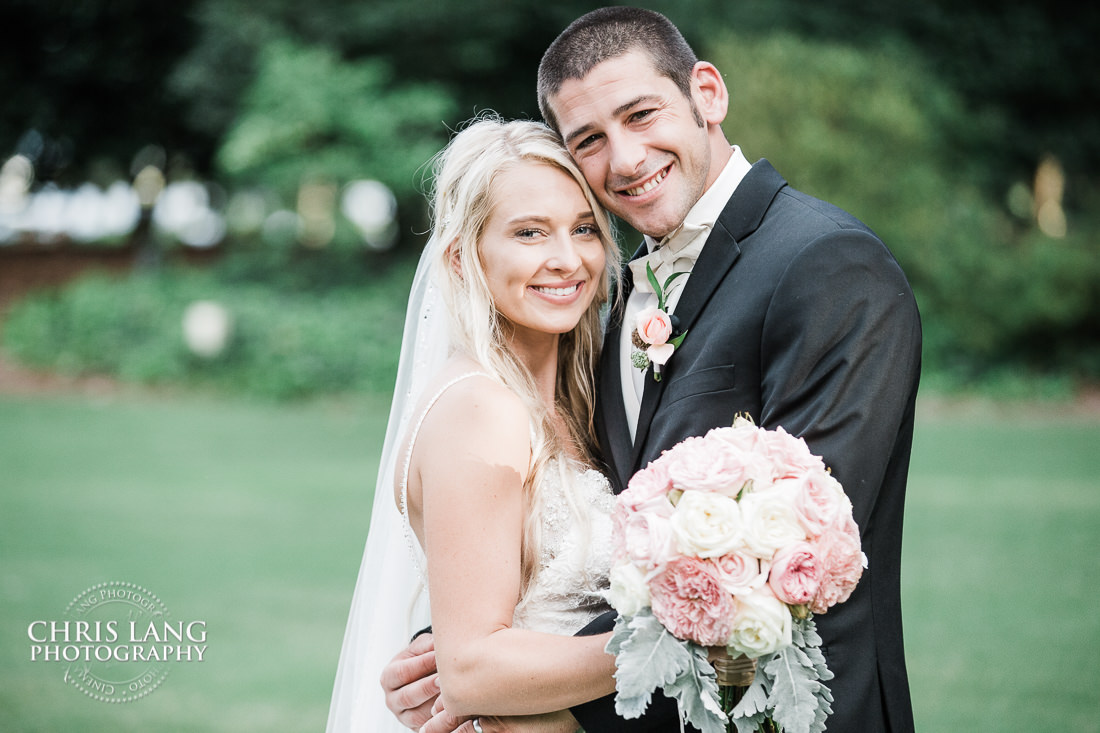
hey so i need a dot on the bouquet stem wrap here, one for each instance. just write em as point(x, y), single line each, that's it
point(733, 671)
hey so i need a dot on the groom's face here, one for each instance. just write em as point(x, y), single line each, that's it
point(640, 143)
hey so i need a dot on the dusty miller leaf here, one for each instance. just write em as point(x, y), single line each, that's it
point(804, 635)
point(647, 656)
point(697, 692)
point(749, 714)
point(794, 696)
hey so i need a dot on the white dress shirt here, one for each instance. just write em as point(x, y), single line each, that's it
point(698, 223)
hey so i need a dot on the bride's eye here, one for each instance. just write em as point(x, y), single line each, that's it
point(587, 230)
point(528, 233)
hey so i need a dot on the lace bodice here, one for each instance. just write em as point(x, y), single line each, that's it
point(575, 554)
point(575, 550)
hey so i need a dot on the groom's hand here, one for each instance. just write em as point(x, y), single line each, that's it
point(411, 683)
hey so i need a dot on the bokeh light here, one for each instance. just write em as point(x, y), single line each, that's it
point(372, 207)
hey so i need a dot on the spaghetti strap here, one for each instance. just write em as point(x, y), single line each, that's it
point(414, 547)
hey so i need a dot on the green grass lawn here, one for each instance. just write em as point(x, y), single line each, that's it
point(252, 518)
point(1001, 576)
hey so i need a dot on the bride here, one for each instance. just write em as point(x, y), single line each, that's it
point(486, 490)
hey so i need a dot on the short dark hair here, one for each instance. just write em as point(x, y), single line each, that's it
point(604, 34)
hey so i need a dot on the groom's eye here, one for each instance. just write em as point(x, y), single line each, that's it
point(586, 142)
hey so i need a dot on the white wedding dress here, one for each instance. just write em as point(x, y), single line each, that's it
point(575, 553)
point(390, 602)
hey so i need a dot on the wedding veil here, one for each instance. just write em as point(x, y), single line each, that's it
point(390, 602)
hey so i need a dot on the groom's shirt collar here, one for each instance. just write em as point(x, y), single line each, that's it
point(713, 201)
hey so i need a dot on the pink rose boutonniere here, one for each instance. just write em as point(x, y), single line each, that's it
point(655, 336)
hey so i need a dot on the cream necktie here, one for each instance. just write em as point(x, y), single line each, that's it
point(676, 254)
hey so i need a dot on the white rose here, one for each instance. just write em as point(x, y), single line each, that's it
point(761, 624)
point(769, 522)
point(629, 593)
point(707, 524)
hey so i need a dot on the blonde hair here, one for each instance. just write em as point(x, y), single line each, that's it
point(462, 202)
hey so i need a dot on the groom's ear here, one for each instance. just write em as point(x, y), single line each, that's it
point(709, 93)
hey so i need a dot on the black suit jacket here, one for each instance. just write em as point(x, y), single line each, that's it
point(797, 314)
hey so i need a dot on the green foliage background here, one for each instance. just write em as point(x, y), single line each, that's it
point(927, 120)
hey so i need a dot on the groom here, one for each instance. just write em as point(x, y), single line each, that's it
point(793, 312)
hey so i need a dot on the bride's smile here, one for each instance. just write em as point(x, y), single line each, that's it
point(541, 250)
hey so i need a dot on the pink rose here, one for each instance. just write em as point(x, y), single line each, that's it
point(704, 465)
point(743, 452)
point(644, 538)
point(742, 435)
point(654, 326)
point(842, 561)
point(740, 573)
point(648, 489)
point(690, 602)
point(818, 500)
point(790, 455)
point(796, 574)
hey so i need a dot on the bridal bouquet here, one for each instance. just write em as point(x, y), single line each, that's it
point(731, 540)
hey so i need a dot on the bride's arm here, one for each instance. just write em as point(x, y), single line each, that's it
point(471, 459)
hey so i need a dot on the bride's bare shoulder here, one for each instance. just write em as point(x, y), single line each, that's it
point(473, 408)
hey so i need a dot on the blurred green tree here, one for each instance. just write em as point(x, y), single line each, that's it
point(310, 117)
point(876, 132)
point(1031, 62)
point(83, 84)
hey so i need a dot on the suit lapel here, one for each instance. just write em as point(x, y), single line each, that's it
point(740, 218)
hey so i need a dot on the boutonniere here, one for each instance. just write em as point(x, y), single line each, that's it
point(656, 332)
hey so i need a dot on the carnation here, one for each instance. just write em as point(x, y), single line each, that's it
point(689, 601)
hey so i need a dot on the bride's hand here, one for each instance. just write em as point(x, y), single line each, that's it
point(411, 684)
point(443, 722)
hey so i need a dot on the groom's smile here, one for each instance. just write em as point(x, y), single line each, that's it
point(640, 189)
point(639, 141)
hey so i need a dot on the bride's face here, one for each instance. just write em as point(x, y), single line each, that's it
point(541, 250)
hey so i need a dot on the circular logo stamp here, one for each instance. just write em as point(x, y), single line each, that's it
point(110, 613)
point(117, 640)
